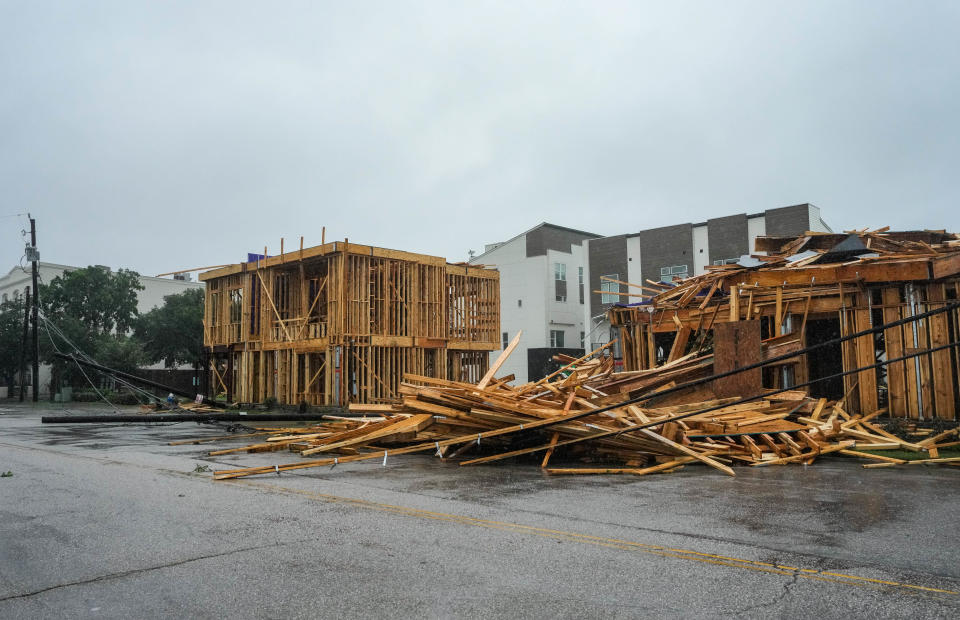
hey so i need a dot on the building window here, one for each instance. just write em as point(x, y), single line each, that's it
point(236, 305)
point(726, 261)
point(560, 281)
point(506, 339)
point(556, 338)
point(215, 308)
point(582, 336)
point(667, 274)
point(519, 303)
point(580, 282)
point(609, 287)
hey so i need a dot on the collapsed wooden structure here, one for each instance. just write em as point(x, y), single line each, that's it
point(341, 323)
point(637, 423)
point(865, 322)
point(811, 288)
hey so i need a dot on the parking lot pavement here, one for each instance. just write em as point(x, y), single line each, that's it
point(110, 521)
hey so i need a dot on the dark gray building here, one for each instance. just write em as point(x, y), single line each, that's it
point(681, 250)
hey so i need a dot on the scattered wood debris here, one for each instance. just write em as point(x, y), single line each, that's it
point(709, 364)
point(585, 412)
point(808, 288)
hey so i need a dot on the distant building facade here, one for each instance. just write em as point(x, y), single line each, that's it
point(15, 283)
point(543, 293)
point(678, 251)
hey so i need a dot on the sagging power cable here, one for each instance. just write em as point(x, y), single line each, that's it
point(49, 325)
point(704, 380)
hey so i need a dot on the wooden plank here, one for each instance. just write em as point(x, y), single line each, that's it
point(549, 453)
point(843, 445)
point(734, 302)
point(946, 266)
point(413, 423)
point(941, 361)
point(866, 356)
point(737, 345)
point(679, 344)
point(923, 361)
point(500, 360)
point(778, 313)
point(893, 344)
point(874, 457)
point(681, 448)
point(818, 410)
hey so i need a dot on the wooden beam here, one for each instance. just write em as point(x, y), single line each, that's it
point(734, 302)
point(689, 452)
point(266, 291)
point(500, 360)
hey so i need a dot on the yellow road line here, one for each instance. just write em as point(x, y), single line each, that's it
point(683, 554)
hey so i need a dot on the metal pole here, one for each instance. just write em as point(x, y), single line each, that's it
point(36, 305)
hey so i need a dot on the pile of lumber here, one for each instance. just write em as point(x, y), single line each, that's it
point(636, 422)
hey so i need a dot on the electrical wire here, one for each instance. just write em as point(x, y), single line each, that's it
point(46, 326)
point(134, 388)
point(696, 382)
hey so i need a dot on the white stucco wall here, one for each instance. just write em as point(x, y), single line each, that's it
point(530, 280)
point(701, 250)
point(816, 223)
point(155, 289)
point(756, 227)
point(522, 279)
point(585, 310)
point(17, 280)
point(634, 273)
point(565, 316)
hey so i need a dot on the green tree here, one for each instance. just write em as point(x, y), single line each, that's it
point(124, 353)
point(11, 334)
point(95, 309)
point(101, 300)
point(173, 332)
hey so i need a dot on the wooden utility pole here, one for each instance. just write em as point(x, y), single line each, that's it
point(36, 306)
point(23, 345)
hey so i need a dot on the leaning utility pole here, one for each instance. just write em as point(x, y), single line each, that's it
point(35, 259)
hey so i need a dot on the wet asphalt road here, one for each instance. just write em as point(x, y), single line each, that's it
point(110, 522)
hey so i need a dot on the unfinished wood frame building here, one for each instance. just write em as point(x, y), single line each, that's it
point(342, 323)
point(810, 289)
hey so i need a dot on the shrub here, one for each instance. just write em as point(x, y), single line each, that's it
point(125, 398)
point(85, 396)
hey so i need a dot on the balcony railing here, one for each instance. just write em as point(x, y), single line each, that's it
point(287, 330)
point(225, 334)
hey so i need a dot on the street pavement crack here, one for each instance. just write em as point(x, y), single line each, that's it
point(139, 571)
point(786, 590)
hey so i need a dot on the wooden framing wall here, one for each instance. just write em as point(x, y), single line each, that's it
point(925, 387)
point(342, 323)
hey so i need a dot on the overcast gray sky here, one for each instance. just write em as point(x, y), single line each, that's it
point(167, 135)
